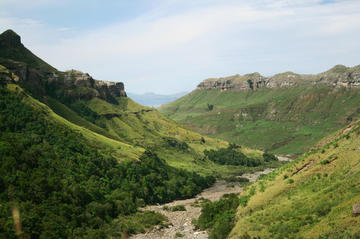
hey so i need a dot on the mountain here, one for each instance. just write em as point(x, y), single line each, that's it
point(316, 196)
point(285, 114)
point(97, 107)
point(12, 48)
point(78, 157)
point(155, 100)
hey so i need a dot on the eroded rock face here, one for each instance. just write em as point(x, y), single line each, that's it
point(103, 89)
point(338, 76)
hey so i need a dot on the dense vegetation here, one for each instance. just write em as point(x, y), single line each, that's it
point(67, 189)
point(218, 217)
point(232, 156)
point(268, 157)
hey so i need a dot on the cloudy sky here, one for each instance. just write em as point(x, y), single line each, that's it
point(170, 46)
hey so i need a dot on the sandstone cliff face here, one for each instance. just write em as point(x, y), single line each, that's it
point(338, 76)
point(102, 89)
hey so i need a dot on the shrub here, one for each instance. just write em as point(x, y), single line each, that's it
point(175, 143)
point(178, 234)
point(230, 156)
point(218, 217)
point(269, 157)
point(237, 179)
point(178, 208)
point(210, 107)
point(326, 161)
point(322, 208)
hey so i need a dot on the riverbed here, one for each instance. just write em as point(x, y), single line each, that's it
point(181, 221)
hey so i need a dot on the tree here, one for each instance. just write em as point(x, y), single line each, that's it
point(210, 107)
point(251, 84)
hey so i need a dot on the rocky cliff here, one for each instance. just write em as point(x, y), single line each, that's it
point(338, 76)
point(41, 79)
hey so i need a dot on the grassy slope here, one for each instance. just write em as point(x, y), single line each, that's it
point(128, 134)
point(123, 127)
point(146, 127)
point(287, 120)
point(310, 198)
point(119, 150)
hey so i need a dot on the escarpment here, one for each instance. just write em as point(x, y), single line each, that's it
point(338, 76)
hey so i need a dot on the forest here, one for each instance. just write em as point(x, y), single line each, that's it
point(64, 188)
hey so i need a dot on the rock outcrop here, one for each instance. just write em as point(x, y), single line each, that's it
point(102, 89)
point(338, 76)
point(356, 210)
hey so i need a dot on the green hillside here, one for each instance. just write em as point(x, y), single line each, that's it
point(64, 181)
point(103, 114)
point(283, 120)
point(311, 197)
point(78, 157)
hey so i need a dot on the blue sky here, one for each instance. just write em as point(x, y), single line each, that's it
point(170, 46)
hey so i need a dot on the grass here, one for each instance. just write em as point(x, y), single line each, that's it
point(287, 120)
point(120, 150)
point(307, 198)
point(127, 135)
point(147, 128)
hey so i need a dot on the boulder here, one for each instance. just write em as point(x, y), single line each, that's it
point(356, 210)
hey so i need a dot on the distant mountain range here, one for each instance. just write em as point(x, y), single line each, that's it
point(155, 100)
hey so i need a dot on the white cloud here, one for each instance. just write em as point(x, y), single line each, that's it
point(174, 46)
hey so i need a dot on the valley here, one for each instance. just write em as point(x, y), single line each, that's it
point(239, 157)
point(79, 157)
